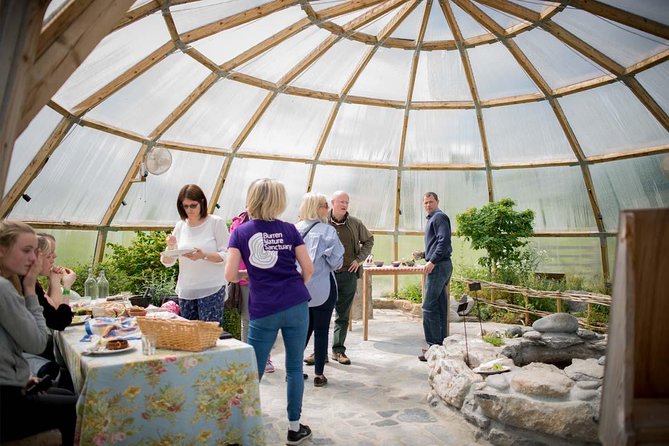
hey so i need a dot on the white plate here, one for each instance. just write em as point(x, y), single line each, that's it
point(491, 371)
point(104, 351)
point(80, 319)
point(177, 252)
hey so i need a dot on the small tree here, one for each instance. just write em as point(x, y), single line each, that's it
point(498, 229)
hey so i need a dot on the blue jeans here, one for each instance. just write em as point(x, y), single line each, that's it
point(435, 303)
point(293, 324)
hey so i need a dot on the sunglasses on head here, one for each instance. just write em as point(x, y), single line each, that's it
point(190, 206)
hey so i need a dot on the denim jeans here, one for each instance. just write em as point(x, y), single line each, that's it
point(347, 283)
point(435, 303)
point(319, 325)
point(293, 324)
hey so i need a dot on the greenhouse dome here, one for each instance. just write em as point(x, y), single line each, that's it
point(561, 106)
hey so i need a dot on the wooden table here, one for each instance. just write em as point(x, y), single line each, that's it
point(370, 271)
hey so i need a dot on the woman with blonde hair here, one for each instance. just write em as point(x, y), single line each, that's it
point(277, 294)
point(327, 254)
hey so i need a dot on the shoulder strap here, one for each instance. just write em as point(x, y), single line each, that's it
point(303, 234)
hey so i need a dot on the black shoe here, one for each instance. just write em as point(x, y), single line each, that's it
point(422, 358)
point(298, 437)
point(320, 382)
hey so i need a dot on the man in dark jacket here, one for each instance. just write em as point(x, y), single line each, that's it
point(438, 270)
point(358, 243)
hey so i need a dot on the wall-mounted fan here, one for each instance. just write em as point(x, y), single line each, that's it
point(158, 160)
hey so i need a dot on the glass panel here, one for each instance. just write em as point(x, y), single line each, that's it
point(292, 126)
point(153, 202)
point(144, 103)
point(334, 68)
point(578, 256)
point(234, 104)
point(557, 195)
point(653, 9)
point(559, 64)
point(194, 14)
point(274, 63)
point(244, 171)
point(611, 119)
point(443, 137)
point(29, 142)
point(623, 44)
point(468, 26)
point(440, 76)
point(362, 185)
point(386, 76)
point(437, 27)
point(229, 43)
point(457, 192)
point(410, 26)
point(72, 186)
point(365, 133)
point(525, 133)
point(507, 79)
point(655, 82)
point(116, 53)
point(503, 19)
point(634, 183)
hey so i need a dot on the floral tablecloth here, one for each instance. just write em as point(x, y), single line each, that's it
point(170, 398)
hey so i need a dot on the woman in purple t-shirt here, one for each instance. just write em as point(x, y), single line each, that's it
point(277, 295)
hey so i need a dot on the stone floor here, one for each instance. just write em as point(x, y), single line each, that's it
point(380, 399)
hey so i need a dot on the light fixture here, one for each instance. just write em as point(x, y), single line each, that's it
point(218, 206)
point(124, 203)
point(26, 197)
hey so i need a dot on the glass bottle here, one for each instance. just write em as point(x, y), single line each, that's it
point(103, 285)
point(91, 286)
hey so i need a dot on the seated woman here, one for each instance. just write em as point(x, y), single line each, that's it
point(23, 328)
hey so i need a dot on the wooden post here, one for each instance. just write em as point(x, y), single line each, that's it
point(559, 305)
point(527, 313)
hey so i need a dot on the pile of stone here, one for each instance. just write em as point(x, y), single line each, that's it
point(534, 402)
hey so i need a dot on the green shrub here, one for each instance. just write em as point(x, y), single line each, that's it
point(412, 292)
point(232, 323)
point(493, 339)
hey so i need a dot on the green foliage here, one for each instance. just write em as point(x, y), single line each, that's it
point(412, 292)
point(232, 323)
point(162, 283)
point(493, 339)
point(499, 230)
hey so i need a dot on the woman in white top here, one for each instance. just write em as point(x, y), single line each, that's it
point(201, 282)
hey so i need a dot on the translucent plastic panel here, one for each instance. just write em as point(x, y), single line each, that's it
point(655, 81)
point(225, 45)
point(374, 27)
point(525, 133)
point(154, 202)
point(437, 27)
point(53, 9)
point(443, 137)
point(501, 18)
point(346, 18)
point(144, 103)
point(634, 183)
point(558, 63)
point(234, 104)
point(319, 6)
point(468, 26)
point(625, 45)
point(73, 186)
point(244, 171)
point(506, 79)
point(291, 125)
point(557, 195)
point(612, 245)
point(457, 191)
point(535, 6)
point(276, 62)
point(334, 68)
point(192, 15)
point(139, 3)
point(611, 119)
point(653, 9)
point(409, 27)
point(371, 192)
point(579, 256)
point(441, 77)
point(116, 53)
point(75, 247)
point(365, 133)
point(386, 76)
point(29, 142)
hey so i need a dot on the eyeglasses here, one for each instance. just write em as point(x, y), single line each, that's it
point(324, 206)
point(190, 206)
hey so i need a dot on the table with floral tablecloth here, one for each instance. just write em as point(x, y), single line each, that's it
point(171, 398)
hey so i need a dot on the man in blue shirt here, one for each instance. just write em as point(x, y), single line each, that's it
point(438, 270)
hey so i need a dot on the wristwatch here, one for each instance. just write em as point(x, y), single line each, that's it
point(205, 257)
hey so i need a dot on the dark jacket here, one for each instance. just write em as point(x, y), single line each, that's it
point(438, 237)
point(363, 240)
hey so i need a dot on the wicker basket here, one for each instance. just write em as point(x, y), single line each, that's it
point(193, 336)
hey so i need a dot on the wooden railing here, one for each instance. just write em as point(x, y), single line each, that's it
point(527, 293)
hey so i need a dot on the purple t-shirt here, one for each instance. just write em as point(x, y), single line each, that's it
point(268, 250)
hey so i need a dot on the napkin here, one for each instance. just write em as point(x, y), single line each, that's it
point(112, 327)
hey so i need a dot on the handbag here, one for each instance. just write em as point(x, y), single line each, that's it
point(234, 297)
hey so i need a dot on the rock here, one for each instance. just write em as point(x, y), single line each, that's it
point(602, 360)
point(589, 385)
point(517, 331)
point(583, 394)
point(584, 370)
point(556, 323)
point(559, 340)
point(498, 382)
point(572, 420)
point(542, 380)
point(473, 415)
point(451, 379)
point(587, 334)
point(532, 335)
